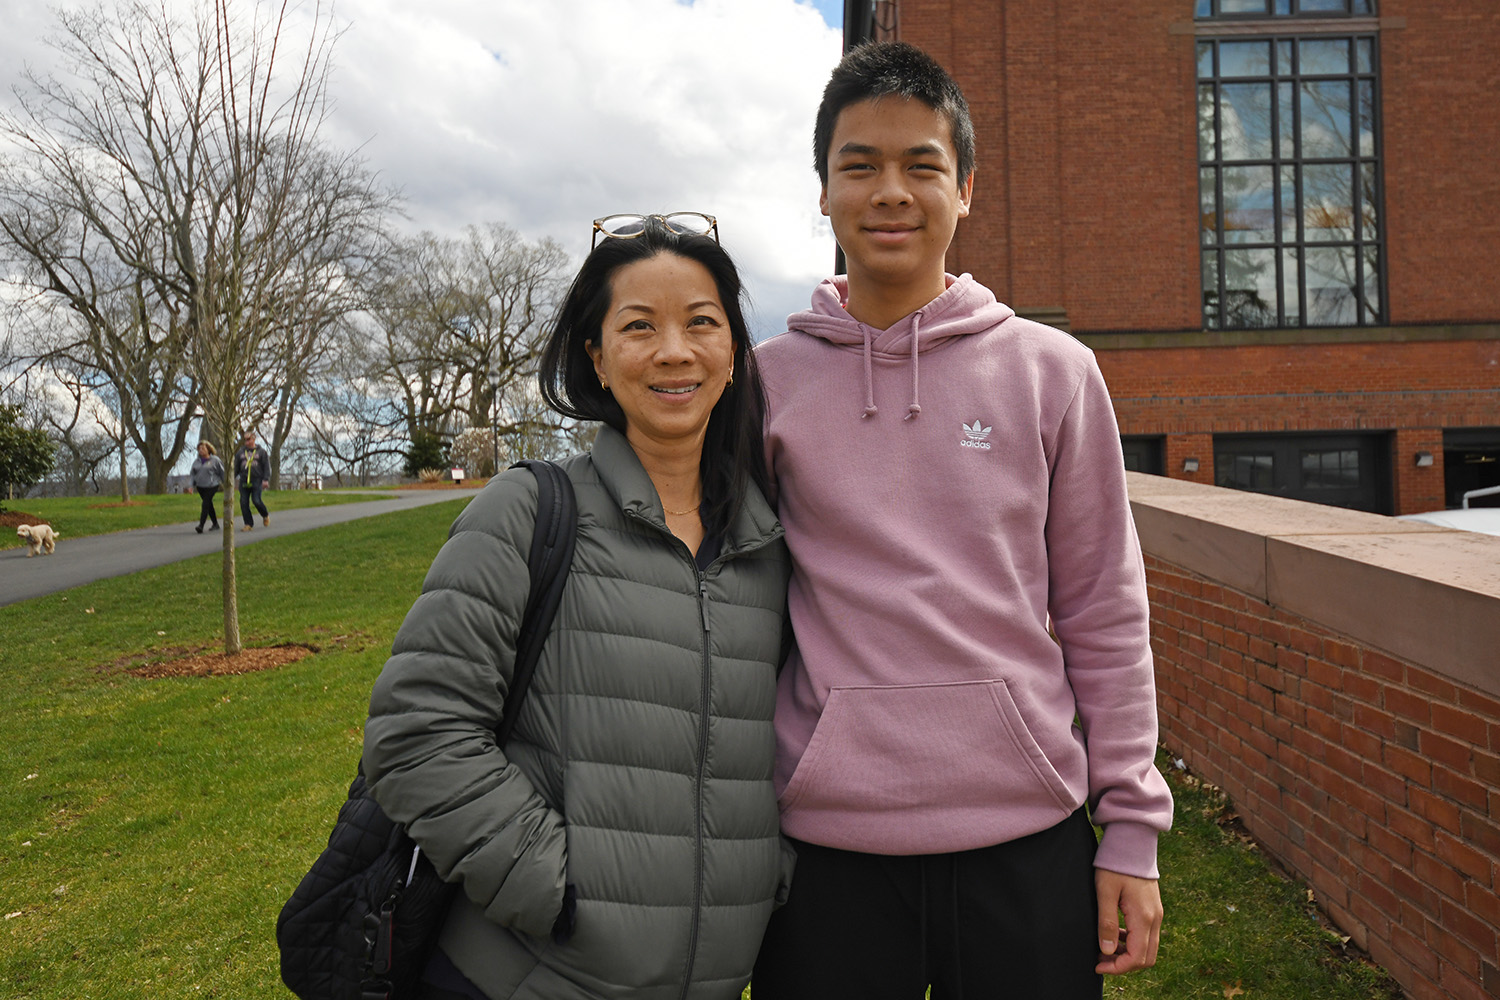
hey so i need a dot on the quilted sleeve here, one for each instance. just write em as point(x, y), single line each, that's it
point(430, 752)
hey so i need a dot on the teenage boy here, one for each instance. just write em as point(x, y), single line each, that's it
point(951, 483)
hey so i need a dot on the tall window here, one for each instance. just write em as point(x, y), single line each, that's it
point(1289, 164)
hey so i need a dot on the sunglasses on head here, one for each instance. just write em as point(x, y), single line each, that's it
point(628, 226)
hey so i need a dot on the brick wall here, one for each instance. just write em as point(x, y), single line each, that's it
point(1414, 389)
point(1086, 195)
point(1439, 79)
point(1086, 200)
point(1419, 489)
point(1086, 190)
point(1372, 776)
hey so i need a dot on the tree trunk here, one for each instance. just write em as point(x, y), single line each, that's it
point(230, 583)
point(156, 471)
point(124, 477)
point(160, 441)
point(159, 459)
point(273, 455)
point(281, 428)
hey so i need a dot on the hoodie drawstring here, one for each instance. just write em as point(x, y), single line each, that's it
point(870, 408)
point(914, 409)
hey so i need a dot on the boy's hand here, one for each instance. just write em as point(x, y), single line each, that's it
point(1133, 946)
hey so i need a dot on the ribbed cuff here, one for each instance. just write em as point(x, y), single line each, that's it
point(1128, 848)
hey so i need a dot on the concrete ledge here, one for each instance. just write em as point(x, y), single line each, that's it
point(1426, 594)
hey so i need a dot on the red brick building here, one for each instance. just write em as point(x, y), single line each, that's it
point(1275, 221)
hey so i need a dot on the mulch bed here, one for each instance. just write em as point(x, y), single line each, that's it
point(447, 484)
point(15, 518)
point(202, 664)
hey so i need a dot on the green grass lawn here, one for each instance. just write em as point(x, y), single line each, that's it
point(76, 517)
point(150, 830)
point(1232, 923)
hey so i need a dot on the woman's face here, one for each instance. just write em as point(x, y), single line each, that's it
point(203, 451)
point(665, 350)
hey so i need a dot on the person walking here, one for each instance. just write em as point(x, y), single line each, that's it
point(252, 474)
point(207, 476)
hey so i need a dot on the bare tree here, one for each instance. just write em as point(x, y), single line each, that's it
point(85, 209)
point(508, 289)
point(176, 196)
point(353, 423)
point(460, 325)
point(272, 231)
point(70, 400)
point(92, 310)
point(75, 419)
point(336, 254)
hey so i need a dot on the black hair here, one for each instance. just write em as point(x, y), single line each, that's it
point(893, 69)
point(733, 450)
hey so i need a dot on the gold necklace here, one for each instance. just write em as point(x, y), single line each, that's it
point(680, 513)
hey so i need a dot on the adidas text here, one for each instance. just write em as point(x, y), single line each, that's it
point(974, 437)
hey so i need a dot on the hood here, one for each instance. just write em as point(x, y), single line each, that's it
point(965, 307)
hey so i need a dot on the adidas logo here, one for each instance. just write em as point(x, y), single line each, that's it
point(975, 436)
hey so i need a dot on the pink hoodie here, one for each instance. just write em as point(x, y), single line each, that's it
point(945, 485)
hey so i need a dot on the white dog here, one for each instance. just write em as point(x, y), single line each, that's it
point(38, 537)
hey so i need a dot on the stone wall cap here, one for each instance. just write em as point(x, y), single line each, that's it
point(1425, 593)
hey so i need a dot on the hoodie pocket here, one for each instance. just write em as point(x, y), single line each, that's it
point(925, 746)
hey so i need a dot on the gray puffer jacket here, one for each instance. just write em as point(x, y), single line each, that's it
point(640, 768)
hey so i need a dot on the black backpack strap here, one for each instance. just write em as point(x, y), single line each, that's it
point(551, 555)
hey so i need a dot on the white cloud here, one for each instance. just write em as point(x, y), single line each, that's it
point(544, 116)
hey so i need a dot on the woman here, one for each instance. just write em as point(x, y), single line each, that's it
point(207, 476)
point(624, 843)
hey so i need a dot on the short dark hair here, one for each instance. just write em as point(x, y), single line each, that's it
point(893, 69)
point(733, 449)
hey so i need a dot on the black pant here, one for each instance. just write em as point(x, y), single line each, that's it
point(1016, 921)
point(207, 512)
point(247, 494)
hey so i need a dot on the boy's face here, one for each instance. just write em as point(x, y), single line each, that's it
point(892, 193)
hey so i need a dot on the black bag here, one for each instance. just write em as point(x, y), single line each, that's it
point(363, 921)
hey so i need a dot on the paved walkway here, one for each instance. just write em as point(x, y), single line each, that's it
point(83, 560)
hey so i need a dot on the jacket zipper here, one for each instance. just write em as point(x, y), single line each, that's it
point(703, 710)
point(704, 695)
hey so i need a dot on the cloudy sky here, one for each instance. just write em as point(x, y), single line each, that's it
point(545, 114)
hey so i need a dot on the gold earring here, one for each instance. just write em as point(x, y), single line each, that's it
point(731, 379)
point(602, 383)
